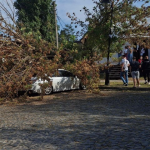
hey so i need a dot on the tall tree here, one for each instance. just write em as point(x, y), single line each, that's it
point(67, 37)
point(126, 20)
point(37, 16)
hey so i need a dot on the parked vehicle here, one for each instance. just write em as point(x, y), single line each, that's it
point(62, 81)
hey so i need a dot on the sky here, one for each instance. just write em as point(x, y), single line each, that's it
point(67, 6)
point(74, 6)
point(71, 6)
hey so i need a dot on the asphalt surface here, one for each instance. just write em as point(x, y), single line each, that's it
point(112, 120)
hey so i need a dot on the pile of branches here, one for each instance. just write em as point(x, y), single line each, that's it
point(22, 56)
point(20, 59)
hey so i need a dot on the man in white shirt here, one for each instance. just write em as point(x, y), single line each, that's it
point(124, 70)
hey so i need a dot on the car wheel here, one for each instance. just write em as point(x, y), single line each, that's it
point(48, 90)
point(82, 86)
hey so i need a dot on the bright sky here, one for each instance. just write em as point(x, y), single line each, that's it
point(72, 6)
point(64, 6)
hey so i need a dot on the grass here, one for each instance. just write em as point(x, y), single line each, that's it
point(119, 83)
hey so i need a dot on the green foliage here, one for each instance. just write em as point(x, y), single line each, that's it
point(67, 37)
point(124, 19)
point(36, 17)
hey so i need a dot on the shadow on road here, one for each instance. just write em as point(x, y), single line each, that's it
point(118, 120)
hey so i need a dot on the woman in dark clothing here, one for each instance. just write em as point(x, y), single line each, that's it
point(140, 69)
point(146, 69)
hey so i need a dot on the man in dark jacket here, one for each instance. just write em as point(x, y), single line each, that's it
point(146, 69)
point(134, 69)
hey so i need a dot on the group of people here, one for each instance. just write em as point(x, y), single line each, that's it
point(135, 67)
point(128, 52)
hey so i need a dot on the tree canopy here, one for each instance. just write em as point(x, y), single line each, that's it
point(126, 21)
point(67, 37)
point(36, 16)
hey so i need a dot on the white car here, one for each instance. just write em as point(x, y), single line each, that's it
point(65, 80)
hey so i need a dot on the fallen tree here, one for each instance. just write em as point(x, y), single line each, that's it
point(22, 55)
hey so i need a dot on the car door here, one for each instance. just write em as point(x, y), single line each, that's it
point(66, 82)
point(57, 81)
point(72, 81)
point(69, 80)
point(61, 82)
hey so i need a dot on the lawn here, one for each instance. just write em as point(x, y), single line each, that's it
point(119, 83)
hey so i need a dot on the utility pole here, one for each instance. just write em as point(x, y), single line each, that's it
point(55, 24)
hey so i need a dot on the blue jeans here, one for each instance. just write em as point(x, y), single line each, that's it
point(125, 80)
point(130, 57)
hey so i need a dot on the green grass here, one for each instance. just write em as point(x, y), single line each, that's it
point(119, 83)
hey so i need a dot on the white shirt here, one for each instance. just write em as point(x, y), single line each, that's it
point(125, 63)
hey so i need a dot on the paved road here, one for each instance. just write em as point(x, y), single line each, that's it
point(114, 121)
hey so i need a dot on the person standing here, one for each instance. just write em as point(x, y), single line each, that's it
point(124, 70)
point(130, 54)
point(134, 69)
point(142, 52)
point(140, 61)
point(125, 51)
point(146, 69)
point(135, 53)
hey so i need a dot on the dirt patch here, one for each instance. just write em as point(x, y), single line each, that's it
point(69, 95)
